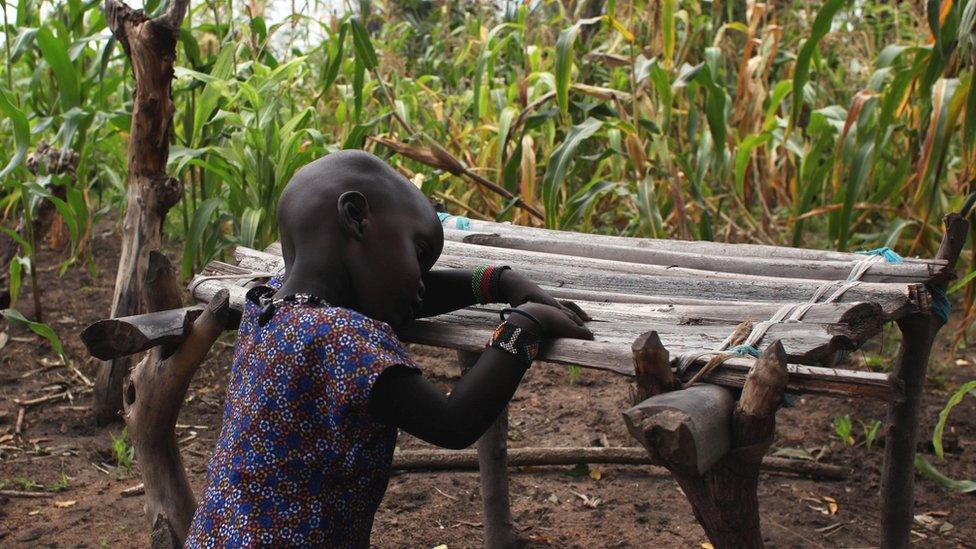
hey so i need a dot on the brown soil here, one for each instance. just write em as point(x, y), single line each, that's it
point(635, 508)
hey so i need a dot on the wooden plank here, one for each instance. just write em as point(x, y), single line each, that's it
point(613, 355)
point(806, 343)
point(856, 320)
point(778, 267)
point(714, 248)
point(552, 270)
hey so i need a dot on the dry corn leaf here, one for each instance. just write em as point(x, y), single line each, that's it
point(65, 503)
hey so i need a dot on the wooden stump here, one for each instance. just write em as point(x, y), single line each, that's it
point(493, 471)
point(714, 451)
point(150, 45)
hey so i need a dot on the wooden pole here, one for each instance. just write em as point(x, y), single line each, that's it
point(918, 333)
point(150, 45)
point(154, 395)
point(442, 460)
point(493, 467)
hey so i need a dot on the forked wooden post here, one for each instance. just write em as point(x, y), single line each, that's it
point(493, 470)
point(150, 45)
point(713, 446)
point(918, 334)
point(153, 396)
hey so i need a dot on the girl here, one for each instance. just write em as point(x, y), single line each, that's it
point(320, 383)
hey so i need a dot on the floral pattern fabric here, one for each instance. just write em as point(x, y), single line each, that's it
point(299, 460)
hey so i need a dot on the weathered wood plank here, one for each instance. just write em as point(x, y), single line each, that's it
point(555, 271)
point(714, 248)
point(777, 267)
point(806, 342)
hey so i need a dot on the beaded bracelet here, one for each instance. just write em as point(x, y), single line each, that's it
point(485, 283)
point(516, 341)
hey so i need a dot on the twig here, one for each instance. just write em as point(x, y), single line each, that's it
point(19, 426)
point(40, 400)
point(137, 490)
point(23, 494)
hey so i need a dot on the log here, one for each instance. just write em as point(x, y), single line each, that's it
point(819, 269)
point(443, 460)
point(687, 431)
point(724, 497)
point(714, 248)
point(150, 45)
point(682, 310)
point(117, 337)
point(610, 355)
point(901, 431)
point(493, 467)
point(600, 275)
point(806, 342)
point(154, 395)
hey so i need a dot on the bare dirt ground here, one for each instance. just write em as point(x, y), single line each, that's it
point(637, 506)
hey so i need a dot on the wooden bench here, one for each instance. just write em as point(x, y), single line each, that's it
point(663, 313)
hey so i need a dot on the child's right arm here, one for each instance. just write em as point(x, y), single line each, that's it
point(402, 397)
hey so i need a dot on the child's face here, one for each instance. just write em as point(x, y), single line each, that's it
point(397, 251)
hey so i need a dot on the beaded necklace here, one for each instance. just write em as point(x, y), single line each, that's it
point(268, 305)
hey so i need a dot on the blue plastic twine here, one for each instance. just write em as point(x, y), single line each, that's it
point(460, 222)
point(890, 255)
point(940, 302)
point(744, 350)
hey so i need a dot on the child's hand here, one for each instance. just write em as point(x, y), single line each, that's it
point(553, 321)
point(516, 290)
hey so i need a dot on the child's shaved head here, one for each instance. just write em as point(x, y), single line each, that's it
point(349, 226)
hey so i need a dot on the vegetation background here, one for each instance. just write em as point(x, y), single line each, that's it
point(843, 124)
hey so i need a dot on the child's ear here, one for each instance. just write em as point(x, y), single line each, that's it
point(353, 213)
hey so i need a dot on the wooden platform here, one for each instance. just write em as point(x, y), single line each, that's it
point(692, 293)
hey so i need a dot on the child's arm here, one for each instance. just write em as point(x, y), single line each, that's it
point(402, 397)
point(448, 290)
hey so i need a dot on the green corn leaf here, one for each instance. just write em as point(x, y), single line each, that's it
point(56, 55)
point(955, 399)
point(195, 238)
point(23, 43)
point(335, 60)
point(358, 82)
point(25, 246)
point(558, 167)
point(962, 283)
point(926, 468)
point(801, 72)
point(715, 103)
point(250, 222)
point(780, 91)
point(14, 317)
point(667, 31)
point(365, 53)
point(743, 155)
point(15, 279)
point(504, 125)
point(564, 60)
point(484, 59)
point(21, 133)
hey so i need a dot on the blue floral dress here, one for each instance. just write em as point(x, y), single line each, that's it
point(299, 460)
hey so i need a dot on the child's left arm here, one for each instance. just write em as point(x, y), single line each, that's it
point(448, 290)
